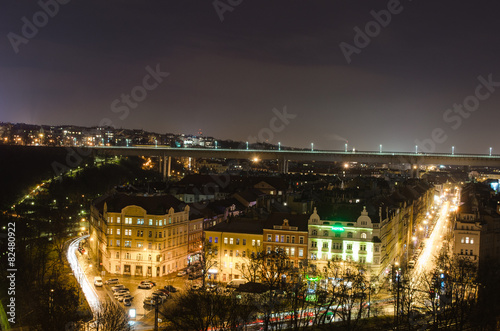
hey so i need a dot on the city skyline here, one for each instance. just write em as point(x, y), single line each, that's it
point(386, 73)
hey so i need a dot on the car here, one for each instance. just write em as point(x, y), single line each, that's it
point(170, 288)
point(112, 281)
point(411, 264)
point(148, 281)
point(117, 287)
point(181, 273)
point(127, 302)
point(121, 292)
point(146, 286)
point(162, 290)
point(150, 301)
point(125, 296)
point(98, 281)
point(160, 294)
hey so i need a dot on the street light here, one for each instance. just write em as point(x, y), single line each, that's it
point(416, 149)
point(345, 148)
point(279, 146)
point(380, 148)
point(247, 145)
point(312, 147)
point(452, 150)
point(491, 149)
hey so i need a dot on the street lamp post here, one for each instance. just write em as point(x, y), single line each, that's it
point(491, 149)
point(452, 150)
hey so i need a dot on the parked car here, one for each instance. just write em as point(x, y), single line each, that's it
point(146, 286)
point(121, 292)
point(148, 281)
point(117, 287)
point(160, 294)
point(127, 302)
point(98, 281)
point(170, 288)
point(125, 296)
point(150, 301)
point(235, 283)
point(112, 281)
point(181, 273)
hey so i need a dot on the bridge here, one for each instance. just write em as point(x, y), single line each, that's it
point(284, 156)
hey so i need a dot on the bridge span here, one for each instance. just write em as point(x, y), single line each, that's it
point(283, 156)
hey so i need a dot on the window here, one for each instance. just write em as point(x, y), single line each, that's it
point(225, 240)
point(462, 240)
point(110, 219)
point(349, 247)
point(237, 241)
point(362, 259)
point(244, 242)
point(314, 244)
point(110, 242)
point(139, 244)
point(140, 221)
point(337, 234)
point(118, 243)
point(118, 231)
point(462, 251)
point(325, 233)
point(282, 239)
point(471, 252)
point(362, 247)
point(225, 252)
point(253, 242)
point(471, 240)
point(117, 255)
point(258, 243)
point(216, 240)
point(209, 239)
point(292, 251)
point(230, 252)
point(301, 252)
point(288, 239)
point(127, 256)
point(293, 239)
point(231, 241)
point(301, 240)
point(325, 244)
point(128, 243)
point(139, 233)
point(237, 253)
point(466, 252)
point(128, 232)
point(118, 219)
point(363, 235)
point(349, 234)
point(128, 220)
point(150, 221)
point(277, 238)
point(150, 234)
point(466, 240)
point(269, 237)
point(376, 249)
point(244, 253)
point(314, 233)
point(139, 256)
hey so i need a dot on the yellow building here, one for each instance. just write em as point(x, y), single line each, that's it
point(140, 235)
point(235, 241)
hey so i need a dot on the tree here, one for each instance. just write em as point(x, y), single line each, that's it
point(208, 259)
point(111, 317)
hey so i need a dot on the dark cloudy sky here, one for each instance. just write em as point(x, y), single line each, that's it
point(226, 77)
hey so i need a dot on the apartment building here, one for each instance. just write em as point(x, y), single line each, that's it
point(141, 235)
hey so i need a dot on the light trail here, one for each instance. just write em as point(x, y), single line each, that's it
point(87, 288)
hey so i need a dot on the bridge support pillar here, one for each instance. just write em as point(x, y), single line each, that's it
point(168, 161)
point(415, 169)
point(283, 166)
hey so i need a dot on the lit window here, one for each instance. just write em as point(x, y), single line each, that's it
point(363, 235)
point(253, 242)
point(230, 241)
point(225, 240)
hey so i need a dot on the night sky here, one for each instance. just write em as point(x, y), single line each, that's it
point(226, 76)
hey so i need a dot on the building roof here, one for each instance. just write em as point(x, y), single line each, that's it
point(239, 225)
point(298, 220)
point(153, 204)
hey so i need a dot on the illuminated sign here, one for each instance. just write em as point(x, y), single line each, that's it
point(314, 279)
point(338, 229)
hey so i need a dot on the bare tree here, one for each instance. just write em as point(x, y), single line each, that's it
point(111, 317)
